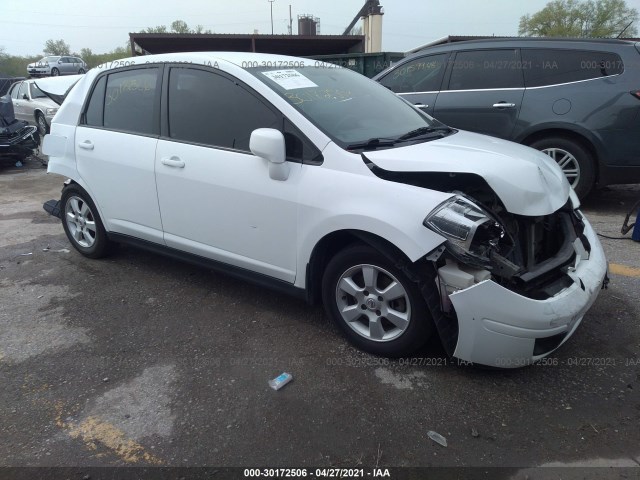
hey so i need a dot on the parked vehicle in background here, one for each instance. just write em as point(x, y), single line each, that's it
point(314, 180)
point(18, 140)
point(54, 65)
point(31, 105)
point(575, 100)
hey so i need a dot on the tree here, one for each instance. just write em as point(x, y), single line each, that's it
point(177, 26)
point(574, 18)
point(158, 29)
point(56, 47)
point(180, 26)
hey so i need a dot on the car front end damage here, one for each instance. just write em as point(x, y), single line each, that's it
point(517, 287)
point(519, 264)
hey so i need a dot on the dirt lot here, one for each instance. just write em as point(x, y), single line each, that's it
point(140, 360)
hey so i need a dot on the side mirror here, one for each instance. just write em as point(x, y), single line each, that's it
point(25, 96)
point(268, 143)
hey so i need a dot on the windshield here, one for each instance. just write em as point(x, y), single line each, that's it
point(48, 59)
point(351, 109)
point(36, 92)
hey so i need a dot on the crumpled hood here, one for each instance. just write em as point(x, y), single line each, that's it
point(527, 181)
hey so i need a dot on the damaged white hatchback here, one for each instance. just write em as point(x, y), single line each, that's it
point(317, 181)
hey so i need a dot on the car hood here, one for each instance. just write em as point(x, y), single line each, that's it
point(57, 88)
point(527, 181)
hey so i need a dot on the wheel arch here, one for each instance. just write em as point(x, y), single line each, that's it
point(332, 243)
point(82, 185)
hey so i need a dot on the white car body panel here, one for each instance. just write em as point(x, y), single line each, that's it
point(533, 186)
point(224, 206)
point(107, 168)
point(207, 211)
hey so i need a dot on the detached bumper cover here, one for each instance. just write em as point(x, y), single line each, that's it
point(52, 207)
point(498, 327)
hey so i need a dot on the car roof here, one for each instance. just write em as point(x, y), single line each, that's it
point(238, 58)
point(548, 42)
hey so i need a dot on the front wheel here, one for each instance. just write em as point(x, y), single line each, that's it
point(377, 307)
point(43, 128)
point(55, 72)
point(82, 224)
point(81, 71)
point(575, 161)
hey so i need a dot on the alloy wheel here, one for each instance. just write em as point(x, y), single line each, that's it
point(373, 303)
point(80, 221)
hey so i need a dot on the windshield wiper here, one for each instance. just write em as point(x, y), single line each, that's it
point(424, 131)
point(372, 144)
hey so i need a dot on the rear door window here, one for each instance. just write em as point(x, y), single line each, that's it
point(423, 74)
point(486, 69)
point(131, 101)
point(552, 67)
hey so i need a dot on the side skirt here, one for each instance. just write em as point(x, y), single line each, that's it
point(237, 272)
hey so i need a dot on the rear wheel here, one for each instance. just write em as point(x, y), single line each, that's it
point(82, 224)
point(377, 307)
point(575, 160)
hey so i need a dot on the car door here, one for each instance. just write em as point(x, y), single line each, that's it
point(115, 150)
point(19, 102)
point(66, 67)
point(418, 81)
point(484, 91)
point(216, 198)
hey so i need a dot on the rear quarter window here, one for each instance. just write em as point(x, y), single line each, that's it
point(544, 67)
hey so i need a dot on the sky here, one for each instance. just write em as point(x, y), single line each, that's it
point(103, 25)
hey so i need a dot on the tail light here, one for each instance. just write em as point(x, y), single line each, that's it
point(635, 93)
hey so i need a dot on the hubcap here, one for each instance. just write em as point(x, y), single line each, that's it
point(80, 221)
point(373, 303)
point(567, 162)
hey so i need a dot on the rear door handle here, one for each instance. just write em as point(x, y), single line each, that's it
point(86, 145)
point(173, 161)
point(504, 105)
point(420, 105)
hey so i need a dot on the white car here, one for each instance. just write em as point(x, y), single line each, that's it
point(317, 181)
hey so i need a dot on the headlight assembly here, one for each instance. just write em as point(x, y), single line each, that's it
point(51, 111)
point(471, 232)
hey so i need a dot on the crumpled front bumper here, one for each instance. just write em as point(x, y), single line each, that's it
point(500, 328)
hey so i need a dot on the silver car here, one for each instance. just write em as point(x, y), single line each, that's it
point(31, 105)
point(57, 65)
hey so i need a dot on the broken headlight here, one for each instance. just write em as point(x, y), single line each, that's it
point(471, 232)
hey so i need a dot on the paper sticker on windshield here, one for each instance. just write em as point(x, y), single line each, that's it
point(289, 79)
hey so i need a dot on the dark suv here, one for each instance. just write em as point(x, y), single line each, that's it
point(576, 100)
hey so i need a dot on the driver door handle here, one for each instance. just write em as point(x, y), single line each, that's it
point(172, 161)
point(86, 145)
point(420, 105)
point(504, 105)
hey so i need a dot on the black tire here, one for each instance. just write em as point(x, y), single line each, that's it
point(55, 72)
point(92, 244)
point(584, 159)
point(419, 327)
point(81, 71)
point(41, 122)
